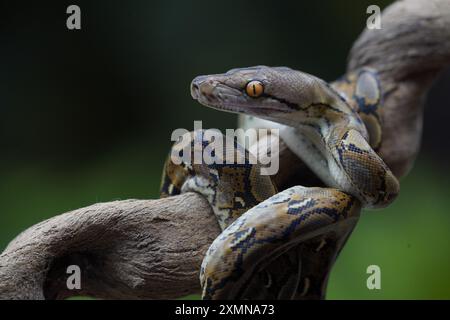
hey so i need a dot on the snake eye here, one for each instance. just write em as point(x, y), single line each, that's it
point(254, 88)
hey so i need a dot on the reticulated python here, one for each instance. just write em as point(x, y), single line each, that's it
point(282, 245)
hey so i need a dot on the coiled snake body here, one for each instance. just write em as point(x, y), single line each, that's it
point(282, 245)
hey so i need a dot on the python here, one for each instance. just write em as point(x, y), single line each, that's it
point(190, 149)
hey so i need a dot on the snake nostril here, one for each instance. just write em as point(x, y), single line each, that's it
point(194, 90)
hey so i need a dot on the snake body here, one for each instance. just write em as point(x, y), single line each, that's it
point(280, 245)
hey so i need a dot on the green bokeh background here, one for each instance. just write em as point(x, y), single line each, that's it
point(86, 116)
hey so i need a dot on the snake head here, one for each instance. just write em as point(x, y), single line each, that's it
point(336, 146)
point(278, 94)
point(272, 93)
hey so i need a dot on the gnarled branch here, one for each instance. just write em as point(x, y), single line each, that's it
point(409, 51)
point(125, 249)
point(153, 248)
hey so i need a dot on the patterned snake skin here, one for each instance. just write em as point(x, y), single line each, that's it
point(281, 245)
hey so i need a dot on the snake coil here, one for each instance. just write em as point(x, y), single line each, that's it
point(281, 245)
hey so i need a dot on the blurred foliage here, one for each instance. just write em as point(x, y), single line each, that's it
point(86, 116)
point(408, 240)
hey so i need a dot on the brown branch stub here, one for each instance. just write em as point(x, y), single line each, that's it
point(126, 249)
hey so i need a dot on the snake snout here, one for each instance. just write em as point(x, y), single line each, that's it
point(195, 86)
point(368, 176)
point(202, 86)
point(378, 186)
point(383, 186)
point(194, 90)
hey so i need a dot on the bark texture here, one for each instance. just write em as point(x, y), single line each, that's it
point(126, 249)
point(409, 52)
point(152, 249)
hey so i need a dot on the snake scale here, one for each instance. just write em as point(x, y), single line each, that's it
point(281, 244)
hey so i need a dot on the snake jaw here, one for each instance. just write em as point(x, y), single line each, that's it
point(226, 92)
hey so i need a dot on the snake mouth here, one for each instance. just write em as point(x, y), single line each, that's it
point(218, 95)
point(210, 96)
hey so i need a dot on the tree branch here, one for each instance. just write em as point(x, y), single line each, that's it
point(149, 249)
point(409, 51)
